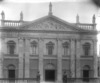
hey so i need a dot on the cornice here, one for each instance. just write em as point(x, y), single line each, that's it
point(49, 31)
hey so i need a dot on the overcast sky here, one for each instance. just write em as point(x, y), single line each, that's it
point(64, 9)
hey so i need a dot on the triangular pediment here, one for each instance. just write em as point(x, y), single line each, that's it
point(50, 23)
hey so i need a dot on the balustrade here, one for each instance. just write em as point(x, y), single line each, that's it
point(86, 26)
point(11, 23)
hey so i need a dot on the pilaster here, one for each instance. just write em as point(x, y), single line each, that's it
point(59, 61)
point(72, 65)
point(78, 53)
point(4, 46)
point(27, 53)
point(1, 57)
point(21, 52)
point(41, 45)
point(95, 58)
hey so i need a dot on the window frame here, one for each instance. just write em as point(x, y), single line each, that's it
point(50, 47)
point(66, 48)
point(86, 48)
point(34, 47)
point(11, 45)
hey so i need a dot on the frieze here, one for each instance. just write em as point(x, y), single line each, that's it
point(10, 34)
point(48, 25)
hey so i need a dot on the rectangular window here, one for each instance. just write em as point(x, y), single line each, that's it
point(50, 50)
point(66, 51)
point(11, 49)
point(34, 50)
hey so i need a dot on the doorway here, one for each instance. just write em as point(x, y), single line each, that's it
point(11, 74)
point(85, 75)
point(49, 75)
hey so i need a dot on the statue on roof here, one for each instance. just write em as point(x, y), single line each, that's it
point(21, 16)
point(3, 15)
point(50, 8)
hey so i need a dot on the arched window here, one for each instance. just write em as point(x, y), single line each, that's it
point(86, 48)
point(11, 47)
point(34, 47)
point(66, 48)
point(50, 47)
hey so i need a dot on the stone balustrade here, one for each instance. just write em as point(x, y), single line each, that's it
point(15, 23)
point(86, 26)
point(12, 23)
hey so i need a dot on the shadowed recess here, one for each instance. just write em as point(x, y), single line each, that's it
point(96, 2)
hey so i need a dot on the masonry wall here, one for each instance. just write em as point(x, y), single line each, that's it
point(27, 65)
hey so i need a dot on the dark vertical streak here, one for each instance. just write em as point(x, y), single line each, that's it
point(96, 2)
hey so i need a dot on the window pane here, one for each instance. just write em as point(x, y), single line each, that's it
point(11, 49)
point(86, 48)
point(50, 49)
point(34, 50)
point(65, 50)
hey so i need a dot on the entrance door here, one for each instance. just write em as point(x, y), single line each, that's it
point(11, 74)
point(85, 75)
point(49, 75)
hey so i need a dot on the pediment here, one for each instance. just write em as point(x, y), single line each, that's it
point(50, 23)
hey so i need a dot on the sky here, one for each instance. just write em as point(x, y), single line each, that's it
point(64, 9)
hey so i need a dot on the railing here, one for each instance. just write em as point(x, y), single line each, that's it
point(86, 26)
point(19, 80)
point(34, 80)
point(11, 23)
point(82, 80)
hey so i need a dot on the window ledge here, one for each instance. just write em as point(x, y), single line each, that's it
point(50, 55)
point(65, 55)
point(86, 56)
point(11, 55)
point(34, 55)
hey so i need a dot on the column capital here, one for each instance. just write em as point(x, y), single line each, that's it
point(20, 38)
point(42, 39)
point(58, 39)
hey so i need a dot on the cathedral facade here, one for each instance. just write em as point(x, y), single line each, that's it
point(49, 46)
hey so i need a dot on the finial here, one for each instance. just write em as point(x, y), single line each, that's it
point(50, 8)
point(77, 18)
point(21, 16)
point(3, 15)
point(93, 20)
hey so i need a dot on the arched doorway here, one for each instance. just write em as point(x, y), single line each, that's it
point(50, 72)
point(11, 72)
point(86, 73)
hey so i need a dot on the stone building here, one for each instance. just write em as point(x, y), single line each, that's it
point(48, 45)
